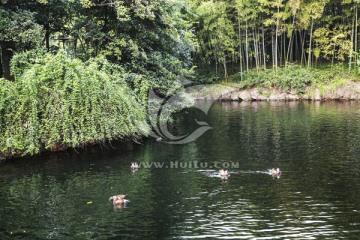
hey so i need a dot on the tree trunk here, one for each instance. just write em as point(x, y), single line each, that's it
point(295, 53)
point(311, 33)
point(47, 37)
point(284, 49)
point(106, 19)
point(258, 46)
point(225, 69)
point(1, 70)
point(276, 40)
point(216, 67)
point(272, 49)
point(240, 50)
point(303, 49)
point(291, 40)
point(352, 45)
point(6, 55)
point(356, 30)
point(75, 47)
point(247, 48)
point(256, 49)
point(333, 56)
point(263, 43)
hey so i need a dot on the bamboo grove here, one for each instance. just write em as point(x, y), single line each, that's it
point(273, 33)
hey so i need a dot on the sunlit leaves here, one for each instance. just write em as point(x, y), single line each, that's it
point(58, 102)
point(332, 43)
point(216, 31)
point(122, 12)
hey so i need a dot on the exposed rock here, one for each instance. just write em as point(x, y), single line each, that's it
point(254, 94)
point(329, 96)
point(235, 96)
point(262, 98)
point(339, 93)
point(257, 96)
point(282, 96)
point(215, 96)
point(354, 96)
point(317, 96)
point(347, 94)
point(265, 93)
point(292, 97)
point(225, 92)
point(226, 96)
point(237, 88)
point(306, 97)
point(245, 95)
point(278, 96)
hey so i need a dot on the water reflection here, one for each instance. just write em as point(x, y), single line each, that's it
point(316, 146)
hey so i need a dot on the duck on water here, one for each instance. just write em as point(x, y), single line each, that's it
point(134, 166)
point(224, 174)
point(275, 172)
point(118, 200)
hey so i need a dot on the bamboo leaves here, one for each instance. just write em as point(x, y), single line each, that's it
point(216, 32)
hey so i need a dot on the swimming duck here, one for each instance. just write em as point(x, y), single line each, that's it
point(118, 199)
point(275, 172)
point(159, 139)
point(224, 173)
point(134, 166)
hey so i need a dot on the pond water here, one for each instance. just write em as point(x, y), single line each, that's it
point(316, 146)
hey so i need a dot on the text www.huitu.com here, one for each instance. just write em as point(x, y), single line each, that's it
point(190, 164)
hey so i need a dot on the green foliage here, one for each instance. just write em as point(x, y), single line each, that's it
point(215, 31)
point(24, 60)
point(332, 42)
point(59, 102)
point(263, 32)
point(19, 26)
point(294, 77)
point(146, 38)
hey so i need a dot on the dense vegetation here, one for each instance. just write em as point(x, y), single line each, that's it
point(59, 102)
point(95, 89)
point(295, 77)
point(272, 33)
point(78, 72)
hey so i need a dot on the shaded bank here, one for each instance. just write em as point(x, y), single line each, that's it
point(292, 82)
point(235, 92)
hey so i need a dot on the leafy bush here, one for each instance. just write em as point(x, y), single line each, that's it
point(293, 77)
point(58, 102)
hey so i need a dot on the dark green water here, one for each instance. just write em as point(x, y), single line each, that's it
point(317, 147)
